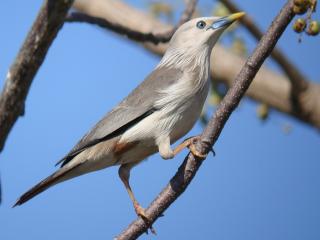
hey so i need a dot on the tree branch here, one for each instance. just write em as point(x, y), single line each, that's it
point(299, 84)
point(133, 34)
point(269, 87)
point(190, 166)
point(29, 59)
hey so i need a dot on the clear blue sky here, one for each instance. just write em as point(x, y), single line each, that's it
point(263, 184)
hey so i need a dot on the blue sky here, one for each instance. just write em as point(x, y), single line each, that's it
point(263, 184)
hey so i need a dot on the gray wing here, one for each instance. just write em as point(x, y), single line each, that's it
point(136, 106)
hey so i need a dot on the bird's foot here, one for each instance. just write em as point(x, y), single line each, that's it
point(193, 149)
point(140, 211)
point(191, 144)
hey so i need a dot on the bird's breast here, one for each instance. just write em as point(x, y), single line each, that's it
point(188, 116)
point(182, 106)
point(179, 106)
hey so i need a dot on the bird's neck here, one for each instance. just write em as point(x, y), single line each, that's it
point(188, 60)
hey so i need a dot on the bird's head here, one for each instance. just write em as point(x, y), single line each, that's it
point(196, 38)
point(202, 31)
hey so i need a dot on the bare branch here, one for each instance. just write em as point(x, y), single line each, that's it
point(133, 34)
point(247, 73)
point(297, 79)
point(30, 57)
point(188, 169)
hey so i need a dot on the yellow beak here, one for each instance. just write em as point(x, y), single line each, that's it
point(235, 16)
point(226, 21)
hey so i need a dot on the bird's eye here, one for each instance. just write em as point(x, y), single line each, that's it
point(201, 24)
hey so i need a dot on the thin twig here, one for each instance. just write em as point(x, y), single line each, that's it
point(298, 80)
point(30, 57)
point(130, 33)
point(190, 166)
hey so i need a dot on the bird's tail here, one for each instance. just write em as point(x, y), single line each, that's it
point(53, 179)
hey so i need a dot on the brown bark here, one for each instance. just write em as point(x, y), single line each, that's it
point(131, 33)
point(296, 77)
point(30, 57)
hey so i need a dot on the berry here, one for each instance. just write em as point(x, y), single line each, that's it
point(313, 28)
point(302, 3)
point(299, 25)
point(300, 9)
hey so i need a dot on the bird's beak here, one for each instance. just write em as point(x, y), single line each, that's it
point(226, 21)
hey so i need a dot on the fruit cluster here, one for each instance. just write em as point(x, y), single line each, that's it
point(307, 25)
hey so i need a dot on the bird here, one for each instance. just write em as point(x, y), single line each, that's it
point(158, 112)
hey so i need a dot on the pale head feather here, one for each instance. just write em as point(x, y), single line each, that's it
point(190, 46)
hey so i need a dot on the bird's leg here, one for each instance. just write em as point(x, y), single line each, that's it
point(124, 174)
point(165, 149)
point(190, 143)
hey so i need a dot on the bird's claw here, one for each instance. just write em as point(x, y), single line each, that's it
point(195, 152)
point(140, 211)
point(213, 152)
point(193, 149)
